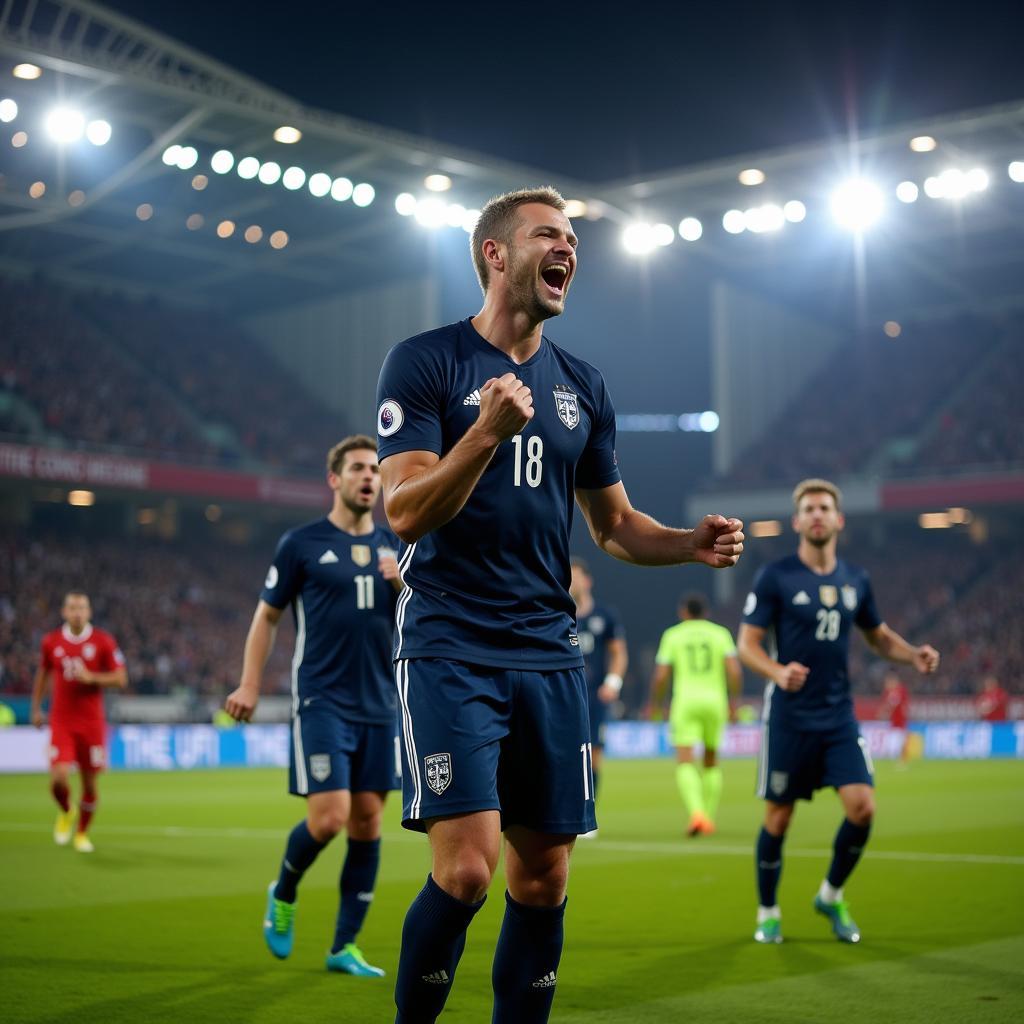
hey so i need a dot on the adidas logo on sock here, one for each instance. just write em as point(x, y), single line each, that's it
point(364, 897)
point(473, 398)
point(548, 981)
point(438, 978)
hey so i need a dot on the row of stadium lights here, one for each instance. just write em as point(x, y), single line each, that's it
point(926, 520)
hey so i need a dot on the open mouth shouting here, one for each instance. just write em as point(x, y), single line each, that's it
point(556, 277)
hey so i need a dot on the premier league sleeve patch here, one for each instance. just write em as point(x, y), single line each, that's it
point(389, 418)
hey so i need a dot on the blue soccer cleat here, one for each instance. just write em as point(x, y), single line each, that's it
point(350, 960)
point(838, 913)
point(278, 925)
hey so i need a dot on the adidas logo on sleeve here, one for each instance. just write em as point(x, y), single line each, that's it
point(473, 398)
point(548, 981)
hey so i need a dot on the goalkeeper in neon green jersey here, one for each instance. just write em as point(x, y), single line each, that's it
point(700, 658)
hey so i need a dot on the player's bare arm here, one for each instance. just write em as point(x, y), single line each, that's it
point(38, 692)
point(618, 662)
point(387, 566)
point(750, 645)
point(632, 536)
point(890, 645)
point(117, 677)
point(241, 702)
point(659, 687)
point(423, 492)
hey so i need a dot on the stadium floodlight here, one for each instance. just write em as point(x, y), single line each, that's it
point(65, 125)
point(794, 211)
point(144, 211)
point(575, 208)
point(907, 192)
point(469, 221)
point(751, 176)
point(225, 229)
point(253, 234)
point(760, 219)
point(287, 134)
point(662, 235)
point(363, 194)
point(431, 213)
point(734, 222)
point(1016, 171)
point(248, 167)
point(98, 132)
point(319, 184)
point(200, 182)
point(188, 156)
point(82, 499)
point(222, 161)
point(922, 144)
point(455, 215)
point(28, 72)
point(950, 184)
point(709, 421)
point(638, 238)
point(405, 204)
point(270, 173)
point(37, 189)
point(857, 204)
point(8, 111)
point(977, 179)
point(437, 182)
point(341, 189)
point(892, 329)
point(690, 229)
point(279, 239)
point(19, 139)
point(293, 178)
point(170, 155)
point(933, 188)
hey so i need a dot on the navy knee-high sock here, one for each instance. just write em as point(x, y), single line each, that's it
point(433, 938)
point(526, 963)
point(299, 854)
point(769, 866)
point(849, 843)
point(358, 876)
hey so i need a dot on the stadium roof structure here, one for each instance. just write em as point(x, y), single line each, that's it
point(130, 216)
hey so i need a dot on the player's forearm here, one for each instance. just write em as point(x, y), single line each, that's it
point(38, 689)
point(434, 496)
point(258, 644)
point(893, 647)
point(618, 661)
point(757, 659)
point(117, 678)
point(637, 538)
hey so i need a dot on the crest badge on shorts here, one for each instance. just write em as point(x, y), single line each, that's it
point(829, 596)
point(568, 409)
point(439, 771)
point(361, 554)
point(850, 597)
point(778, 782)
point(320, 766)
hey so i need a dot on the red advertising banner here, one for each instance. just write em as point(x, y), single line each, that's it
point(953, 492)
point(90, 469)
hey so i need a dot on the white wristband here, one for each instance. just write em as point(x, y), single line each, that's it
point(614, 681)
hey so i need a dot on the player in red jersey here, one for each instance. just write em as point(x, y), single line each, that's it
point(896, 704)
point(81, 660)
point(993, 703)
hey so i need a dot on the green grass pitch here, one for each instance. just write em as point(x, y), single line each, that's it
point(162, 923)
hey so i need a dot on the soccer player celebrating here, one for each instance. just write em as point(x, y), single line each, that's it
point(340, 576)
point(810, 601)
point(605, 656)
point(487, 432)
point(81, 660)
point(700, 657)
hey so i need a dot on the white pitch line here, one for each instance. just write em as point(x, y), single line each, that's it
point(619, 845)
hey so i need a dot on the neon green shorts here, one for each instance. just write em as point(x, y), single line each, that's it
point(704, 723)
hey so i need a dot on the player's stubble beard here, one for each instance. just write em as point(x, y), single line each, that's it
point(523, 290)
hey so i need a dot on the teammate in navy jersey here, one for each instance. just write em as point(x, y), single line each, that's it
point(809, 602)
point(487, 432)
point(605, 657)
point(340, 577)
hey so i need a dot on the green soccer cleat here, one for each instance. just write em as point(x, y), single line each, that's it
point(769, 931)
point(843, 925)
point(350, 960)
point(278, 925)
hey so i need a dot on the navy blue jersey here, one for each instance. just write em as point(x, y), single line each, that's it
point(810, 617)
point(491, 586)
point(344, 617)
point(594, 631)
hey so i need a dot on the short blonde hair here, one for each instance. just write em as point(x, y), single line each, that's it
point(815, 485)
point(357, 442)
point(498, 219)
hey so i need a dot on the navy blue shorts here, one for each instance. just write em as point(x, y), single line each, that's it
point(476, 738)
point(598, 718)
point(794, 763)
point(329, 752)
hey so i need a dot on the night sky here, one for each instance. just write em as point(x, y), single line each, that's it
point(601, 91)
